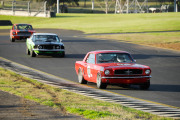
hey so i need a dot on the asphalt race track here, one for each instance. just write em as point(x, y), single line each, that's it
point(165, 64)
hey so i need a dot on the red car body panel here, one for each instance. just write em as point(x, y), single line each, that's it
point(90, 71)
point(19, 34)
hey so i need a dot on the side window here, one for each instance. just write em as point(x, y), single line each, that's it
point(91, 59)
point(33, 38)
point(14, 27)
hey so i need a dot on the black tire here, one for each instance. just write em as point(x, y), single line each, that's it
point(99, 83)
point(32, 53)
point(63, 54)
point(125, 85)
point(145, 86)
point(27, 51)
point(81, 78)
point(12, 39)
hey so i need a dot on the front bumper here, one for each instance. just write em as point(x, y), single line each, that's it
point(126, 79)
point(49, 52)
point(19, 37)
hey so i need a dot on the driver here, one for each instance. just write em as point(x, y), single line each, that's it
point(120, 58)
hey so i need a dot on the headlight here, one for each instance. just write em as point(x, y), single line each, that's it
point(106, 72)
point(62, 47)
point(147, 71)
point(40, 47)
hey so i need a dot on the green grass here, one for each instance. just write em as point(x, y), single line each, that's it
point(170, 40)
point(69, 102)
point(92, 114)
point(102, 23)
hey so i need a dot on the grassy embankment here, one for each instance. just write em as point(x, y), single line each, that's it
point(67, 101)
point(168, 40)
point(115, 23)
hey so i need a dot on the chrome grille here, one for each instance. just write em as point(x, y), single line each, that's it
point(128, 72)
point(24, 33)
point(48, 47)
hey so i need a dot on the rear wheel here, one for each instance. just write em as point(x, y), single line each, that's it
point(81, 78)
point(99, 83)
point(145, 86)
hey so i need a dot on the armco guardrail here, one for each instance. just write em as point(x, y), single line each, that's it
point(25, 13)
point(25, 8)
point(5, 23)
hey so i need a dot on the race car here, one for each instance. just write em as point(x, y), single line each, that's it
point(44, 44)
point(112, 67)
point(21, 31)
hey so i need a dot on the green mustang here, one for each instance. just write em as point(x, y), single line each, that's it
point(44, 44)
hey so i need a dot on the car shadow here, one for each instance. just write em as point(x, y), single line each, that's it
point(144, 56)
point(79, 41)
point(19, 41)
point(76, 56)
point(153, 87)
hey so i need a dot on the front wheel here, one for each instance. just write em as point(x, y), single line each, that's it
point(145, 86)
point(32, 53)
point(12, 39)
point(81, 78)
point(99, 83)
point(27, 51)
point(63, 54)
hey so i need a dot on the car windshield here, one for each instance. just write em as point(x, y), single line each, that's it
point(24, 27)
point(46, 38)
point(114, 58)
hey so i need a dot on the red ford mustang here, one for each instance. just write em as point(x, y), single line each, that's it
point(21, 31)
point(106, 67)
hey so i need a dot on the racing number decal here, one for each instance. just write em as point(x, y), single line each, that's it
point(89, 71)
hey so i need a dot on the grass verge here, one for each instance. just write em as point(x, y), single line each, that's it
point(114, 23)
point(169, 40)
point(68, 102)
point(104, 23)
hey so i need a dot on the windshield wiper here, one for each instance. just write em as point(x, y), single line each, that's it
point(48, 41)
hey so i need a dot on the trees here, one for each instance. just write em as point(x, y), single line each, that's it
point(53, 2)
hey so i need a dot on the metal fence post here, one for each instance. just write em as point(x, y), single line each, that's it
point(45, 7)
point(29, 8)
point(127, 11)
point(92, 5)
point(175, 6)
point(147, 6)
point(57, 6)
point(13, 7)
point(2, 3)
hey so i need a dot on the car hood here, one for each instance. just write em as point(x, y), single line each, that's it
point(48, 43)
point(26, 30)
point(115, 66)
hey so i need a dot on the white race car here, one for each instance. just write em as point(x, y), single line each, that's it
point(45, 44)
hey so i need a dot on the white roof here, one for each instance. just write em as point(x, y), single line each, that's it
point(44, 34)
